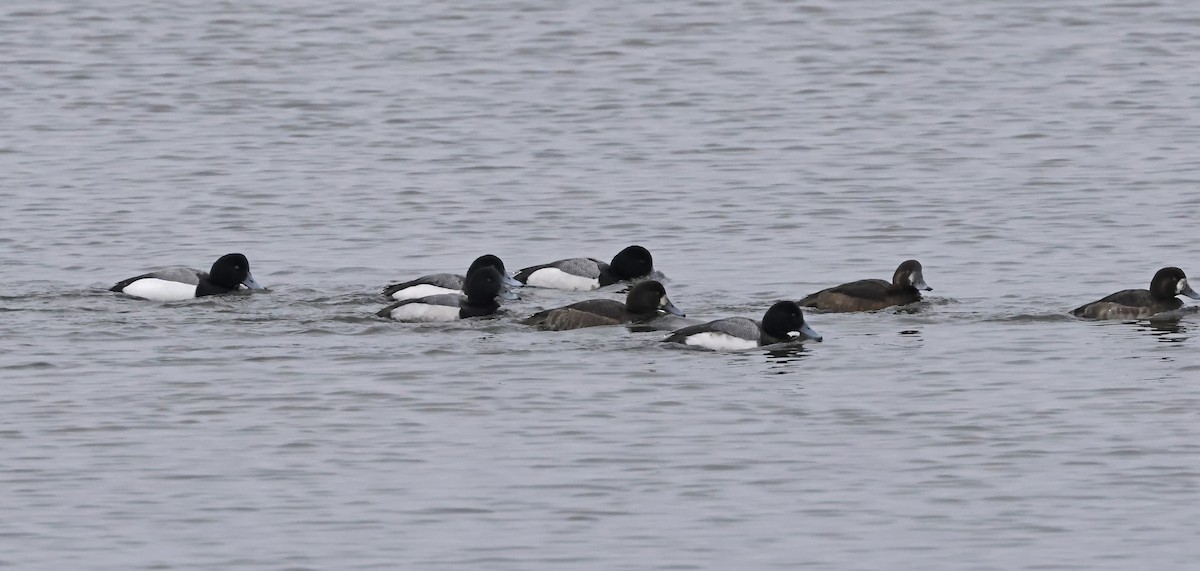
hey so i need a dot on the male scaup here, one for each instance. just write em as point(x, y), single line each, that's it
point(482, 287)
point(438, 284)
point(870, 295)
point(227, 274)
point(1141, 303)
point(645, 301)
point(585, 274)
point(783, 322)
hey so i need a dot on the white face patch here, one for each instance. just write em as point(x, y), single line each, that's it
point(1182, 285)
point(793, 334)
point(555, 278)
point(663, 301)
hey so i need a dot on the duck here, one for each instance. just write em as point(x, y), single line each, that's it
point(869, 295)
point(481, 289)
point(645, 301)
point(586, 274)
point(782, 323)
point(446, 283)
point(228, 274)
point(1141, 303)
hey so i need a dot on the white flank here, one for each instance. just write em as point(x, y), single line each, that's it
point(719, 341)
point(160, 290)
point(555, 278)
point(423, 313)
point(421, 290)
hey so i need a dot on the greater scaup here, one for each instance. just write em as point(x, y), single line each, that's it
point(482, 287)
point(227, 274)
point(783, 322)
point(870, 295)
point(438, 284)
point(585, 274)
point(1141, 303)
point(645, 301)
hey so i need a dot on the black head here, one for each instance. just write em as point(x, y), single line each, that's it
point(909, 274)
point(487, 260)
point(1170, 282)
point(785, 322)
point(632, 263)
point(649, 297)
point(230, 270)
point(482, 286)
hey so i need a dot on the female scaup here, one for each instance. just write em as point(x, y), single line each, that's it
point(783, 322)
point(481, 288)
point(645, 301)
point(227, 274)
point(1141, 303)
point(585, 274)
point(870, 295)
point(438, 284)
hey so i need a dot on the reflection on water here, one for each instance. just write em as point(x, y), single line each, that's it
point(1167, 330)
point(786, 353)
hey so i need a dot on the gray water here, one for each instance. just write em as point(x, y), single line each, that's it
point(1033, 155)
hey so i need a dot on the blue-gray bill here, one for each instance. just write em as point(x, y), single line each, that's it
point(510, 281)
point(252, 283)
point(1188, 291)
point(806, 332)
point(670, 308)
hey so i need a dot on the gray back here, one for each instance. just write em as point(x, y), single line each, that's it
point(182, 275)
point(738, 327)
point(585, 267)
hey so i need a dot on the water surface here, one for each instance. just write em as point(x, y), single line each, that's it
point(1034, 157)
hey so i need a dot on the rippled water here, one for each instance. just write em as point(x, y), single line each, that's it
point(1034, 156)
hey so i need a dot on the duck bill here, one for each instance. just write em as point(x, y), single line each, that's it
point(507, 295)
point(252, 283)
point(1188, 291)
point(805, 332)
point(918, 281)
point(510, 281)
point(670, 308)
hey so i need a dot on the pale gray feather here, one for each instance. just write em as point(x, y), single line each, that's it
point(585, 267)
point(181, 275)
point(738, 327)
point(453, 299)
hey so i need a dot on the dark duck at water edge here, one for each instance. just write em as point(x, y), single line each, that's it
point(437, 284)
point(228, 274)
point(482, 289)
point(870, 295)
point(1140, 303)
point(586, 274)
point(646, 300)
point(782, 323)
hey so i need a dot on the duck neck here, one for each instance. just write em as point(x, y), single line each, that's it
point(475, 308)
